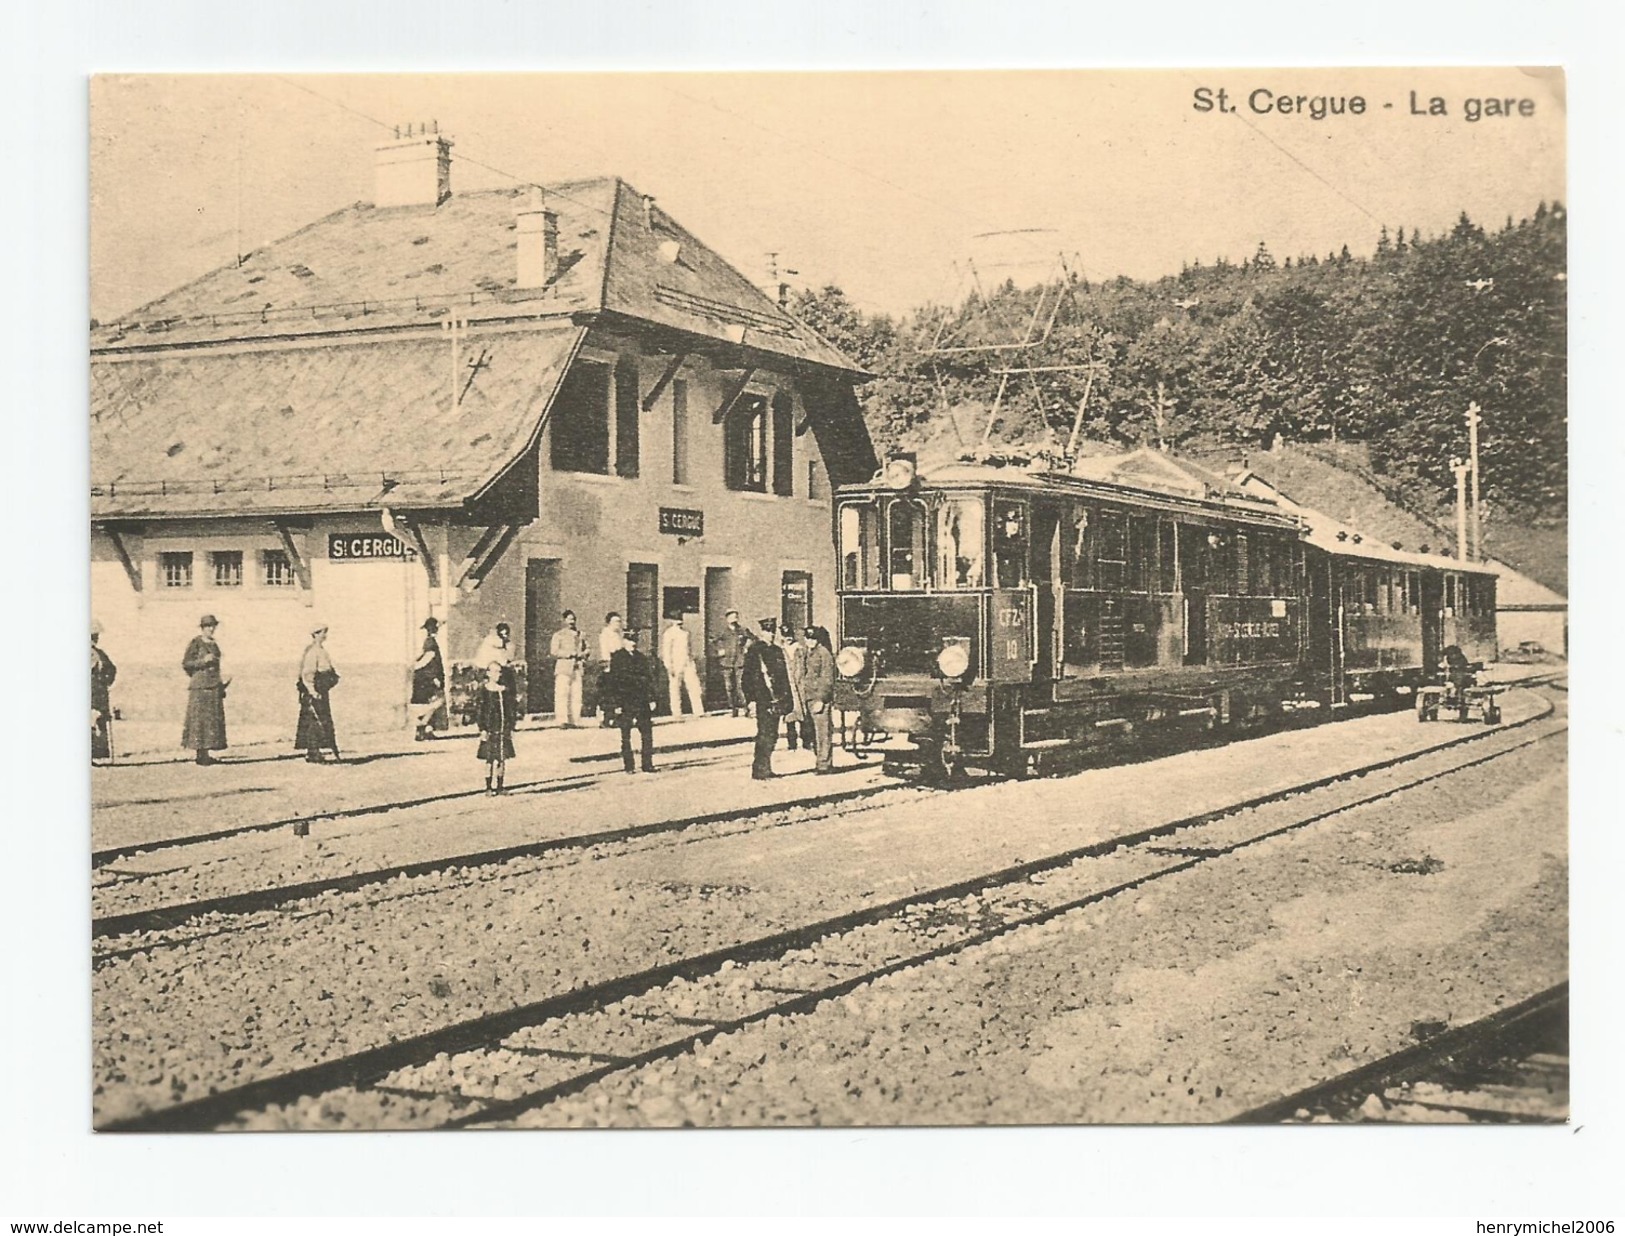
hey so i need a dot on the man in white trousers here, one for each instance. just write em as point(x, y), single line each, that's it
point(569, 652)
point(678, 656)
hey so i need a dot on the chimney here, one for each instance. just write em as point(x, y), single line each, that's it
point(538, 229)
point(414, 168)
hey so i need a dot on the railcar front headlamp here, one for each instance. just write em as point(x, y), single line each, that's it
point(851, 660)
point(954, 659)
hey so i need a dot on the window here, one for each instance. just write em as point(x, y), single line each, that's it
point(228, 568)
point(679, 432)
point(1010, 545)
point(1142, 553)
point(784, 445)
point(580, 419)
point(960, 540)
point(860, 546)
point(1449, 596)
point(626, 417)
point(744, 445)
point(905, 544)
point(275, 569)
point(1240, 559)
point(1110, 550)
point(175, 569)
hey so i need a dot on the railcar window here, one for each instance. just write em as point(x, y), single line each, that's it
point(1449, 596)
point(1142, 553)
point(860, 546)
point(961, 542)
point(1111, 550)
point(905, 539)
point(1010, 545)
point(1240, 557)
point(1077, 548)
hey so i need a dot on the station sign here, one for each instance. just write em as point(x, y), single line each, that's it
point(367, 547)
point(674, 521)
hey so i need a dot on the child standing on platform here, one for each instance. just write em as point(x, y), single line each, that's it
point(495, 716)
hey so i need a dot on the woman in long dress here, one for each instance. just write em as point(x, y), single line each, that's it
point(428, 682)
point(317, 678)
point(205, 729)
point(495, 716)
point(102, 673)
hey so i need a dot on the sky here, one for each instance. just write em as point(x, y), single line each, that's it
point(900, 187)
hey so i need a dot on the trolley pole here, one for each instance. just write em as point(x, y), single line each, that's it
point(1473, 420)
point(1461, 469)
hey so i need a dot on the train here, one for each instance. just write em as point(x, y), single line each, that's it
point(1006, 613)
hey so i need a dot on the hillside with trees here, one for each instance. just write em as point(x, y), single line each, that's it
point(1385, 350)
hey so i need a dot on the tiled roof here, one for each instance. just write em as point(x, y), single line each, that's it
point(362, 268)
point(348, 425)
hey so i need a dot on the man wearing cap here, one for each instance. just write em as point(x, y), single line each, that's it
point(765, 681)
point(609, 643)
point(102, 673)
point(428, 681)
point(317, 677)
point(732, 645)
point(205, 729)
point(675, 651)
point(630, 694)
point(569, 652)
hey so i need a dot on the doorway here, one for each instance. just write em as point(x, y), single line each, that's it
point(1195, 556)
point(643, 604)
point(718, 600)
point(1046, 560)
point(542, 606)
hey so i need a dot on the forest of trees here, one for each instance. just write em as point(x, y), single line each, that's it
point(1387, 349)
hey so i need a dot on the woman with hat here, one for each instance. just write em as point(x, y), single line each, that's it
point(428, 682)
point(205, 727)
point(317, 678)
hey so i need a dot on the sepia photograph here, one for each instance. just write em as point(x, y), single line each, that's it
point(828, 599)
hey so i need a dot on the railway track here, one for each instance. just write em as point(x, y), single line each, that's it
point(171, 916)
point(493, 1068)
point(1508, 1068)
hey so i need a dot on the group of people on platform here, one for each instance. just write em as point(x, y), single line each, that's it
point(779, 675)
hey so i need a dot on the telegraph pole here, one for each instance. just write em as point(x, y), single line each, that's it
point(1473, 419)
point(1461, 469)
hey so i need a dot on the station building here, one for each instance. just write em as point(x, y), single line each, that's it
point(479, 407)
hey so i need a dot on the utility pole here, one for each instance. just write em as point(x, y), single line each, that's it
point(1461, 469)
point(1473, 419)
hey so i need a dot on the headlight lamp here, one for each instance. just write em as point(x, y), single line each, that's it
point(851, 660)
point(954, 659)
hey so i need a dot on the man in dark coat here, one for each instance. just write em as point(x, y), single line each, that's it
point(630, 693)
point(205, 728)
point(732, 645)
point(765, 680)
point(102, 673)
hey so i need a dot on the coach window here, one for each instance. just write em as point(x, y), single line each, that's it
point(1110, 551)
point(860, 546)
point(1449, 596)
point(961, 540)
point(905, 544)
point(1142, 553)
point(1010, 545)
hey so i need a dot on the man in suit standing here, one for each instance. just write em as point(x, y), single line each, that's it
point(630, 694)
point(765, 680)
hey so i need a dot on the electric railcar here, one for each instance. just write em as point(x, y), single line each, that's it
point(1001, 616)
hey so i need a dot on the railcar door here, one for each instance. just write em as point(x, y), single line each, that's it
point(1047, 585)
point(1194, 556)
point(1012, 651)
point(1432, 621)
